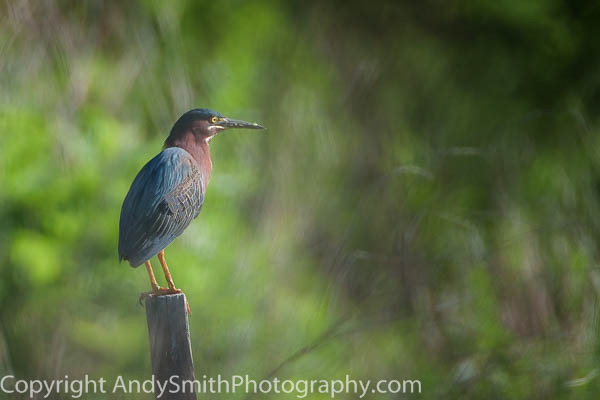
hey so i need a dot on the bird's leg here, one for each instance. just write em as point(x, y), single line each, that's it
point(172, 289)
point(155, 288)
point(165, 267)
point(153, 282)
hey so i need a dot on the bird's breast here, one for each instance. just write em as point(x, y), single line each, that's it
point(200, 152)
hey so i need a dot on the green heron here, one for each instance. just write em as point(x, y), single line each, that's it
point(168, 192)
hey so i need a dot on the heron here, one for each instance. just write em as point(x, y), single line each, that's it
point(168, 193)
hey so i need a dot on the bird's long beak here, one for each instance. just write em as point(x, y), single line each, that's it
point(234, 123)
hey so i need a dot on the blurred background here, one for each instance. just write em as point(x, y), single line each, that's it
point(422, 206)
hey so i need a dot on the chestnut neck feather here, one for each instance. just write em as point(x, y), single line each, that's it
point(196, 146)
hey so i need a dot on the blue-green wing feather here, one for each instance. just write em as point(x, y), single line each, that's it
point(166, 195)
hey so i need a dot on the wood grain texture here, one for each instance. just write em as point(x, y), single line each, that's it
point(170, 345)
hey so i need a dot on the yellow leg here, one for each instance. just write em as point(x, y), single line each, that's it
point(165, 267)
point(153, 282)
point(156, 290)
point(172, 289)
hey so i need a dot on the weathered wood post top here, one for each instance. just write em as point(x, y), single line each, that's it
point(170, 346)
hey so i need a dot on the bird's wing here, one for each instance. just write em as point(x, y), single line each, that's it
point(166, 195)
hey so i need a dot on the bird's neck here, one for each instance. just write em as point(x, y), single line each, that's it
point(197, 147)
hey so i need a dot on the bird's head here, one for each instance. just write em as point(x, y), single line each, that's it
point(205, 124)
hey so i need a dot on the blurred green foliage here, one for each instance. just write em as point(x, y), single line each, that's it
point(426, 194)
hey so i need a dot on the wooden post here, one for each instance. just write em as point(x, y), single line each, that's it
point(170, 346)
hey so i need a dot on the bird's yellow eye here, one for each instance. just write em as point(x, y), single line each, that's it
point(214, 120)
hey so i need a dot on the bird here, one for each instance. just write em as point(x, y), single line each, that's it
point(168, 193)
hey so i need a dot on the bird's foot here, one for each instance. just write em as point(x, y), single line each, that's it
point(166, 291)
point(163, 292)
point(145, 295)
